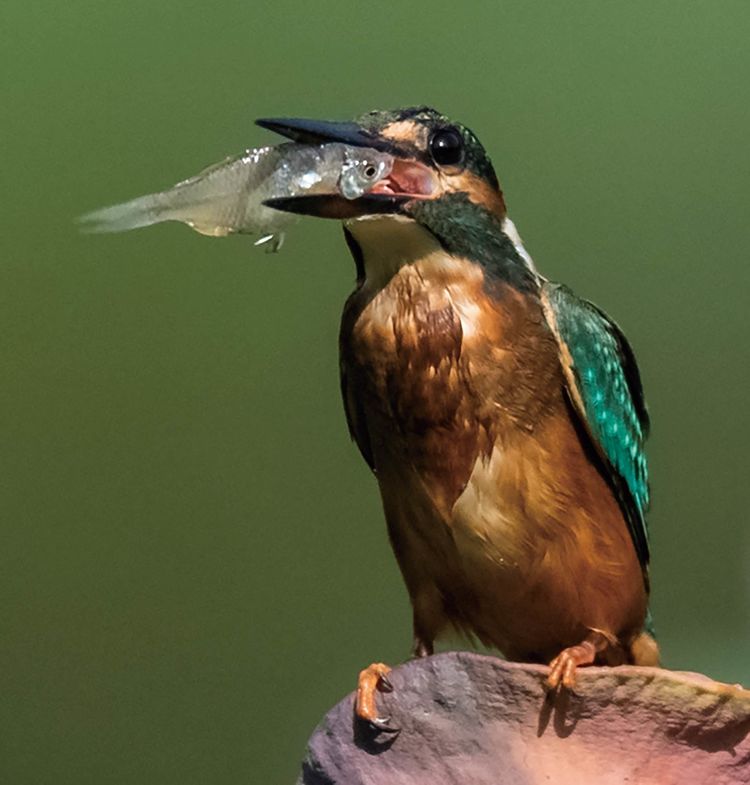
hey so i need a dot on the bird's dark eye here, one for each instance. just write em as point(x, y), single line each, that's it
point(447, 147)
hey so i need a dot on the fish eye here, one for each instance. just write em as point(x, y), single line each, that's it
point(447, 147)
point(370, 171)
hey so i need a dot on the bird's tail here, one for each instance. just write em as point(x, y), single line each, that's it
point(644, 650)
point(143, 211)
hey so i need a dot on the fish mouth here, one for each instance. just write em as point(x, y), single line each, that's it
point(409, 178)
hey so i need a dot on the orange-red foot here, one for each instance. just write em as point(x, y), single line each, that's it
point(563, 667)
point(372, 679)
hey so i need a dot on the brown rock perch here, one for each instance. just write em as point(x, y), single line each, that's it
point(473, 719)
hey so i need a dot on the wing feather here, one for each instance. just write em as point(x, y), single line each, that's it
point(605, 388)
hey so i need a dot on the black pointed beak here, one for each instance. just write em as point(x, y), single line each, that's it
point(323, 131)
point(334, 206)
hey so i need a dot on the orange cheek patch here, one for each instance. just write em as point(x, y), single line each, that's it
point(477, 190)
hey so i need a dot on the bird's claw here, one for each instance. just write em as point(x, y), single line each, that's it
point(371, 680)
point(383, 725)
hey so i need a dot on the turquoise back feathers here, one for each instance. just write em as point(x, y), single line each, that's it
point(605, 388)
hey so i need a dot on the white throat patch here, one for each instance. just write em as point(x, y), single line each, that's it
point(389, 242)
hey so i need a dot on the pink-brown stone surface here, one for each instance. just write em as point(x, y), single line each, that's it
point(474, 719)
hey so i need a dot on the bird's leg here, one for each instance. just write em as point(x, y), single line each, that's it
point(563, 667)
point(372, 678)
point(421, 647)
point(424, 635)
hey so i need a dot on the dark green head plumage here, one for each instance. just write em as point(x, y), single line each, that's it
point(475, 158)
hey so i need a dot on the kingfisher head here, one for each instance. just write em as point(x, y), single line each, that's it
point(442, 187)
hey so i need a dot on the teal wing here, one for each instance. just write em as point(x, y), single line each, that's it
point(604, 386)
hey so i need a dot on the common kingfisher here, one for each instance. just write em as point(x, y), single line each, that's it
point(502, 416)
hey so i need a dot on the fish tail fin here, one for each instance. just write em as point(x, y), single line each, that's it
point(143, 211)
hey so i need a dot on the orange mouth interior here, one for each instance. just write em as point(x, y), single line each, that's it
point(408, 178)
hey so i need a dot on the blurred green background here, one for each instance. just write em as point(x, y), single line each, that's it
point(194, 564)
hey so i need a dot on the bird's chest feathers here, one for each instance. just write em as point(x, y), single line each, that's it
point(411, 339)
point(432, 355)
point(415, 311)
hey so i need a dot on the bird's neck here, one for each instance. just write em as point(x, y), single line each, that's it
point(472, 231)
point(383, 245)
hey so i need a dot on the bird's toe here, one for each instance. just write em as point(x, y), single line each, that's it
point(563, 668)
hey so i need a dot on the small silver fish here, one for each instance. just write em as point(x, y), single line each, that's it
point(227, 198)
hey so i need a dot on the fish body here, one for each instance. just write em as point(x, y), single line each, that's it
point(228, 197)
